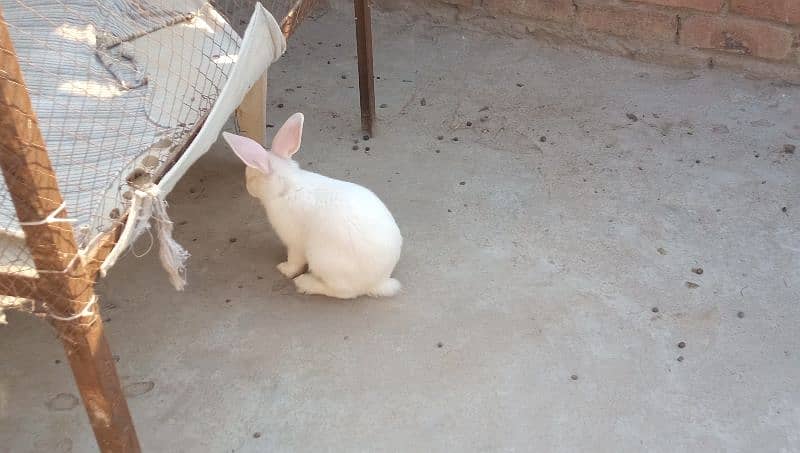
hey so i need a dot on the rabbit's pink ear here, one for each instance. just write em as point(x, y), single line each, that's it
point(287, 140)
point(251, 153)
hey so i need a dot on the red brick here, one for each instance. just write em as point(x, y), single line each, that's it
point(629, 22)
point(739, 36)
point(786, 11)
point(711, 6)
point(537, 9)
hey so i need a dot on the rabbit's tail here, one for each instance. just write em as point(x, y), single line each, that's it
point(387, 288)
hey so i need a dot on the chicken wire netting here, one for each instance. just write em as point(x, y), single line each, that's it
point(119, 87)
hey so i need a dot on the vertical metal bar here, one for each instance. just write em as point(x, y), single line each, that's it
point(63, 283)
point(366, 83)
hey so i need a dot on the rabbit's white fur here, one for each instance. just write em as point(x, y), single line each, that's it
point(342, 231)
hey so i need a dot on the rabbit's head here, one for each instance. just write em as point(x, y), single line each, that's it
point(285, 143)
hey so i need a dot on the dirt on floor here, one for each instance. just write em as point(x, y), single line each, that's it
point(600, 255)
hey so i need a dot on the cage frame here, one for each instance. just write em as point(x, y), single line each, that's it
point(65, 282)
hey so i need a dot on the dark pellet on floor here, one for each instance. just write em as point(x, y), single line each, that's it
point(654, 309)
point(740, 314)
point(542, 139)
point(520, 85)
point(469, 123)
point(256, 435)
point(462, 183)
point(438, 151)
point(383, 106)
point(574, 377)
point(440, 137)
point(423, 102)
point(784, 209)
point(680, 358)
point(789, 148)
point(365, 138)
point(232, 240)
point(439, 344)
point(280, 106)
point(57, 361)
point(632, 117)
point(366, 148)
point(455, 139)
point(344, 76)
point(682, 344)
point(697, 270)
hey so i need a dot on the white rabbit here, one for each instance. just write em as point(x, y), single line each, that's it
point(342, 231)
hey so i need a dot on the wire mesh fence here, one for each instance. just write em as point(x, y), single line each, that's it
point(118, 88)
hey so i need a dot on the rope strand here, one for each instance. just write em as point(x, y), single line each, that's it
point(51, 218)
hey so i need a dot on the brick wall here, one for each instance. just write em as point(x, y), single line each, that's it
point(755, 35)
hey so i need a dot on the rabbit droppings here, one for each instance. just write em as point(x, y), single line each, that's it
point(342, 231)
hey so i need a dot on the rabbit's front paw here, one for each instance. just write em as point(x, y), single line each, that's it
point(290, 270)
point(308, 284)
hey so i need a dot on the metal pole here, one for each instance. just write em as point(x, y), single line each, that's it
point(366, 83)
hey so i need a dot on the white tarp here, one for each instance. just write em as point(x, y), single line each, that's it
point(262, 45)
point(119, 86)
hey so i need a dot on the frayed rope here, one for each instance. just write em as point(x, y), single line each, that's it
point(147, 204)
point(173, 255)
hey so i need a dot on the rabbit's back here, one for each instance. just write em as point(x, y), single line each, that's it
point(352, 229)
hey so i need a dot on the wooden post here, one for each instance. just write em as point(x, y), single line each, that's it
point(252, 112)
point(63, 284)
point(366, 83)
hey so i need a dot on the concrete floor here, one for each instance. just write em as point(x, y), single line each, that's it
point(547, 265)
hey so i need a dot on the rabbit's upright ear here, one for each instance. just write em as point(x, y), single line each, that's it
point(287, 140)
point(251, 153)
